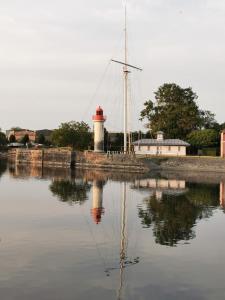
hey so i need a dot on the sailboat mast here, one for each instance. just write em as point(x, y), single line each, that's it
point(125, 71)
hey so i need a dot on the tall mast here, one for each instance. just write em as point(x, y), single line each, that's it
point(125, 71)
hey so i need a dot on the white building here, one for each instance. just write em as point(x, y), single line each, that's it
point(161, 146)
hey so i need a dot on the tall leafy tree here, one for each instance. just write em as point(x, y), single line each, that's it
point(3, 139)
point(41, 139)
point(203, 138)
point(73, 134)
point(25, 139)
point(12, 138)
point(175, 112)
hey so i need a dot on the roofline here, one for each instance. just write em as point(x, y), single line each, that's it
point(160, 143)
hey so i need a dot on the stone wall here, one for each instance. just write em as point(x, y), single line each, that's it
point(188, 163)
point(104, 160)
point(55, 157)
point(67, 157)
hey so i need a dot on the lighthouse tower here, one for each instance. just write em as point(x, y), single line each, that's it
point(99, 120)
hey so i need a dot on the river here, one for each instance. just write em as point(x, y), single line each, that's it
point(91, 234)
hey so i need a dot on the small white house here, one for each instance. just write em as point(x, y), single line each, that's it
point(161, 146)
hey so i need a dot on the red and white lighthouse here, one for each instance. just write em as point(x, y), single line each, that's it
point(99, 120)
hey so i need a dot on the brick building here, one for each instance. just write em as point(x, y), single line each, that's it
point(20, 133)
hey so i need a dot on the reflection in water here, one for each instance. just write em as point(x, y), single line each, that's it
point(222, 195)
point(3, 167)
point(158, 187)
point(70, 191)
point(25, 171)
point(97, 199)
point(173, 215)
point(85, 259)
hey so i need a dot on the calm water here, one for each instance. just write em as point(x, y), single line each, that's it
point(96, 235)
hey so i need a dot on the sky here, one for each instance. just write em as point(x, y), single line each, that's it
point(55, 58)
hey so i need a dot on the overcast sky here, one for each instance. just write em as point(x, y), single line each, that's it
point(54, 57)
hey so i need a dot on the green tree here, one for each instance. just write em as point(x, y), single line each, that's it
point(175, 112)
point(41, 139)
point(25, 139)
point(222, 126)
point(12, 138)
point(16, 128)
point(203, 138)
point(3, 139)
point(73, 134)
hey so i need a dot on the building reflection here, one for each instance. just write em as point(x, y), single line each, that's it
point(222, 194)
point(158, 187)
point(172, 209)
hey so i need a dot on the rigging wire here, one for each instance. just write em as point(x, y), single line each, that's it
point(102, 77)
point(96, 90)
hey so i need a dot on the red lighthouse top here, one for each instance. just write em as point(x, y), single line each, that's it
point(99, 115)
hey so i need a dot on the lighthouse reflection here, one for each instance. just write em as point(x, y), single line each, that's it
point(97, 201)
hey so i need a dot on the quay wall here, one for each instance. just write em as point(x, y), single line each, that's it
point(186, 163)
point(107, 161)
point(64, 157)
point(49, 157)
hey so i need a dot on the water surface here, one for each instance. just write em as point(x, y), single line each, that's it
point(88, 234)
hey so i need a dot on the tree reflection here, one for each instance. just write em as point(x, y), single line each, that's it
point(174, 216)
point(70, 191)
point(3, 167)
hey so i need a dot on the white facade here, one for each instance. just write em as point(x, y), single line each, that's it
point(160, 150)
point(161, 146)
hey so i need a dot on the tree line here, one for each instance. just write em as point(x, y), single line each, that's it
point(174, 111)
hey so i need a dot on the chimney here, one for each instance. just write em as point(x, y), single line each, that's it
point(160, 136)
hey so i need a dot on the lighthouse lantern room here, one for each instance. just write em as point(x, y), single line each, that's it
point(99, 120)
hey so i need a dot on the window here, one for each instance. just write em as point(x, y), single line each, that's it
point(149, 148)
point(179, 148)
point(169, 148)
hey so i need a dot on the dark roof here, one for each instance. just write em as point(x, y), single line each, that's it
point(166, 142)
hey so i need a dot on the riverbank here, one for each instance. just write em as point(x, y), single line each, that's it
point(186, 163)
point(66, 157)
